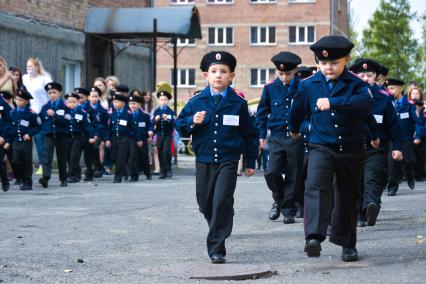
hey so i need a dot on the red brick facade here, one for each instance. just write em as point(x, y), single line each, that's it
point(242, 15)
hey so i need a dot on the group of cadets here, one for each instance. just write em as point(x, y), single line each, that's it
point(76, 126)
point(339, 136)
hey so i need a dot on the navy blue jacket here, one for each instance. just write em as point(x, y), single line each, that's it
point(80, 123)
point(164, 127)
point(350, 103)
point(274, 108)
point(227, 130)
point(98, 117)
point(411, 123)
point(24, 122)
point(121, 125)
point(57, 124)
point(142, 124)
point(5, 119)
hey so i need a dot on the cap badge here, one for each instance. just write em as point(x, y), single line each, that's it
point(49, 86)
point(281, 66)
point(365, 66)
point(325, 53)
point(218, 56)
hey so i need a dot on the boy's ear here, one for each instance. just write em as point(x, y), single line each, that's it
point(232, 75)
point(205, 75)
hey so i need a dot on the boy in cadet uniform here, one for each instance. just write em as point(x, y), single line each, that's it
point(139, 153)
point(83, 95)
point(81, 132)
point(25, 124)
point(55, 128)
point(219, 122)
point(411, 133)
point(374, 177)
point(5, 122)
point(335, 102)
point(381, 78)
point(285, 153)
point(164, 118)
point(98, 118)
point(120, 127)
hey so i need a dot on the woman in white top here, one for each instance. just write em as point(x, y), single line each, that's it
point(35, 80)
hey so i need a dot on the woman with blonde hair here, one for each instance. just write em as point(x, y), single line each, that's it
point(101, 84)
point(6, 83)
point(35, 80)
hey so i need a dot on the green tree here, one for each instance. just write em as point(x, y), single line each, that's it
point(389, 39)
point(421, 66)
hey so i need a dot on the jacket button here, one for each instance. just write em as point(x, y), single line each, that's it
point(332, 114)
point(215, 160)
point(214, 141)
point(215, 149)
point(340, 137)
point(215, 155)
point(215, 132)
point(336, 125)
point(217, 116)
point(216, 124)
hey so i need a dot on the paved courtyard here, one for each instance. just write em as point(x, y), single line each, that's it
point(152, 232)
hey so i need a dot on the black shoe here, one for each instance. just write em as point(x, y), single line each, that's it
point(349, 254)
point(299, 214)
point(420, 179)
point(360, 223)
point(5, 186)
point(98, 174)
point(162, 177)
point(169, 174)
point(149, 177)
point(289, 219)
point(88, 179)
point(17, 182)
point(44, 182)
point(391, 192)
point(126, 178)
point(26, 187)
point(73, 180)
point(217, 258)
point(64, 183)
point(371, 213)
point(313, 248)
point(133, 179)
point(117, 181)
point(411, 184)
point(275, 211)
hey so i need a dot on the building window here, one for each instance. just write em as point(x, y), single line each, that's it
point(185, 42)
point(71, 71)
point(301, 35)
point(181, 2)
point(261, 76)
point(263, 35)
point(220, 36)
point(185, 78)
point(262, 1)
point(220, 1)
point(302, 1)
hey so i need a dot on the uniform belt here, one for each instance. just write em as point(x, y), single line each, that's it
point(341, 148)
point(277, 133)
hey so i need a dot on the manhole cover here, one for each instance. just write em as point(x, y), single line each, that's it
point(230, 271)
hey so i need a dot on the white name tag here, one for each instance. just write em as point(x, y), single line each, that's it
point(1, 107)
point(123, 122)
point(169, 116)
point(25, 123)
point(379, 118)
point(231, 120)
point(78, 116)
point(404, 115)
point(142, 124)
point(60, 112)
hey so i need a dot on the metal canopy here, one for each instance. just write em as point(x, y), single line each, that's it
point(129, 23)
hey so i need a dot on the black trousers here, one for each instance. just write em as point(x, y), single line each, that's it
point(61, 143)
point(373, 180)
point(23, 160)
point(215, 187)
point(3, 169)
point(76, 148)
point(395, 168)
point(88, 150)
point(9, 155)
point(299, 195)
point(164, 144)
point(326, 166)
point(285, 157)
point(120, 156)
point(138, 159)
point(144, 159)
point(419, 167)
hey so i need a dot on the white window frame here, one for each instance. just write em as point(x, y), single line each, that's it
point(259, 43)
point(259, 2)
point(185, 42)
point(72, 75)
point(216, 28)
point(182, 2)
point(220, 2)
point(305, 42)
point(187, 83)
point(302, 1)
point(269, 72)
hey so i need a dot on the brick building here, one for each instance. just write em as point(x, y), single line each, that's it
point(52, 30)
point(254, 31)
